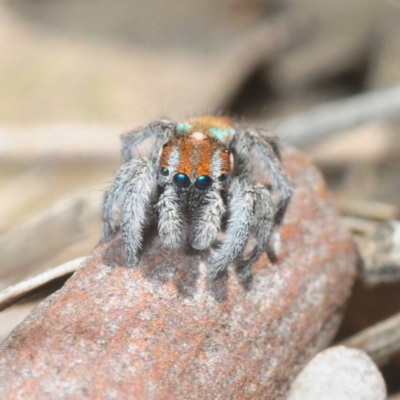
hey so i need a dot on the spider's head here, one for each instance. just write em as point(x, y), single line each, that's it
point(195, 161)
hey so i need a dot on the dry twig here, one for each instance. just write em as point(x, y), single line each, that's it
point(23, 249)
point(20, 192)
point(96, 142)
point(372, 210)
point(379, 341)
point(358, 225)
point(380, 253)
point(322, 121)
point(17, 292)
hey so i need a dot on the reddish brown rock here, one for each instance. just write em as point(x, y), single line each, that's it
point(163, 331)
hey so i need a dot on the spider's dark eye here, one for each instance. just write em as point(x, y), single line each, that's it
point(182, 180)
point(164, 171)
point(203, 182)
point(223, 177)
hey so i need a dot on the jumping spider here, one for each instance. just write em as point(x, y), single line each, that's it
point(197, 181)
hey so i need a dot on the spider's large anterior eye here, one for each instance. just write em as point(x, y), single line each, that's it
point(223, 177)
point(164, 171)
point(203, 182)
point(181, 180)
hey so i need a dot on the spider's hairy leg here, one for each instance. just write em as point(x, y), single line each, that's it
point(113, 201)
point(141, 192)
point(266, 149)
point(272, 140)
point(240, 219)
point(264, 214)
point(207, 221)
point(171, 221)
point(241, 148)
point(130, 141)
point(127, 204)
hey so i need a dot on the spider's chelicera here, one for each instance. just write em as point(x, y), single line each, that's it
point(198, 181)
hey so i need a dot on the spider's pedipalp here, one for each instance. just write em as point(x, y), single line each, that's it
point(206, 222)
point(264, 214)
point(171, 221)
point(139, 188)
point(240, 207)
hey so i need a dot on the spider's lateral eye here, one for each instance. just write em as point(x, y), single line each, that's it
point(223, 177)
point(181, 180)
point(164, 171)
point(203, 182)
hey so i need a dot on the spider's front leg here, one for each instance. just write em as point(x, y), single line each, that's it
point(127, 205)
point(240, 209)
point(113, 201)
point(268, 151)
point(264, 215)
point(162, 130)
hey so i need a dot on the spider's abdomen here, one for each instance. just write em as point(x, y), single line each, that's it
point(220, 128)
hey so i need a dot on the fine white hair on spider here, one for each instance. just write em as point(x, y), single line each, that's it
point(197, 181)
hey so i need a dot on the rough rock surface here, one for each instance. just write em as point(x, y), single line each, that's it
point(164, 331)
point(339, 373)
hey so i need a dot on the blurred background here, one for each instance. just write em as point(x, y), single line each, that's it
point(75, 74)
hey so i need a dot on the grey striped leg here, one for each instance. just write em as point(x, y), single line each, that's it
point(127, 205)
point(131, 141)
point(268, 152)
point(141, 192)
point(264, 214)
point(240, 219)
point(279, 178)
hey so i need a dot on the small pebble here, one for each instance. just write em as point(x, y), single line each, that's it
point(339, 373)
